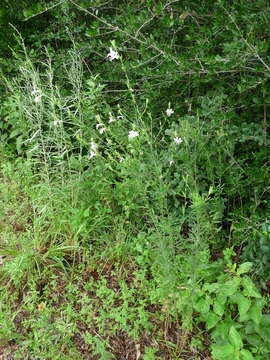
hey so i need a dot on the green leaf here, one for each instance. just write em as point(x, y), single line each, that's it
point(221, 330)
point(254, 340)
point(243, 305)
point(249, 327)
point(244, 268)
point(211, 287)
point(250, 288)
point(246, 355)
point(264, 333)
point(235, 338)
point(203, 305)
point(19, 142)
point(86, 213)
point(265, 321)
point(244, 317)
point(15, 133)
point(211, 320)
point(255, 313)
point(230, 287)
point(222, 299)
point(218, 308)
point(223, 352)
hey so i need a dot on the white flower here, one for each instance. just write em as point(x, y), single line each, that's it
point(113, 55)
point(91, 155)
point(37, 99)
point(121, 159)
point(37, 95)
point(101, 131)
point(93, 146)
point(132, 134)
point(111, 119)
point(35, 91)
point(57, 122)
point(169, 112)
point(177, 140)
point(93, 150)
point(171, 162)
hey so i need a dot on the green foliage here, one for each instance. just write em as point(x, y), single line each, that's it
point(135, 134)
point(232, 308)
point(257, 250)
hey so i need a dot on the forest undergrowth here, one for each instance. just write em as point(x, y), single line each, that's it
point(134, 192)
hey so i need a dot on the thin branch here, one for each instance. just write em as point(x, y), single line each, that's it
point(144, 24)
point(251, 47)
point(45, 10)
point(160, 51)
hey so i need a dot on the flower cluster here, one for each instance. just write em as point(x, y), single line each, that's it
point(132, 134)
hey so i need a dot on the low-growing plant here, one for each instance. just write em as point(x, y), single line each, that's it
point(257, 250)
point(232, 310)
